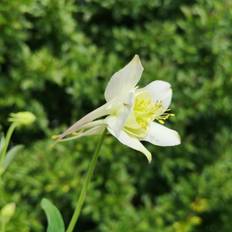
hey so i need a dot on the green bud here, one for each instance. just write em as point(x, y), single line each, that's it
point(7, 212)
point(22, 118)
point(195, 220)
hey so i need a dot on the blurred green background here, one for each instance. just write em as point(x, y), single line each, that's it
point(56, 57)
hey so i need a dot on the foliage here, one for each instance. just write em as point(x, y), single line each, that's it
point(55, 220)
point(56, 57)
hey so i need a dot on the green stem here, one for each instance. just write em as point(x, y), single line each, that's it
point(89, 174)
point(6, 143)
point(3, 226)
point(1, 187)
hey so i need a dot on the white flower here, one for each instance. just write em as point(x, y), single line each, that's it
point(131, 114)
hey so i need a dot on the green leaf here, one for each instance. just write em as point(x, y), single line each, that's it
point(11, 155)
point(2, 140)
point(54, 217)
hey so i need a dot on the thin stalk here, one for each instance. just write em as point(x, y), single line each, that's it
point(3, 227)
point(6, 142)
point(89, 174)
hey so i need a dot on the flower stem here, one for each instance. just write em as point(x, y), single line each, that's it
point(89, 174)
point(6, 142)
point(3, 227)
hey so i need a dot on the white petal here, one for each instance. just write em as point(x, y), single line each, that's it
point(162, 136)
point(99, 112)
point(126, 109)
point(125, 79)
point(160, 91)
point(92, 124)
point(126, 139)
point(92, 131)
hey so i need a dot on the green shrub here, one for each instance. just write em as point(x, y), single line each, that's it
point(55, 60)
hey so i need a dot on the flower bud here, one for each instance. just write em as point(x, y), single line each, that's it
point(22, 118)
point(7, 212)
point(195, 220)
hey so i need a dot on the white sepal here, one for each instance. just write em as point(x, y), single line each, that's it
point(99, 112)
point(126, 139)
point(160, 91)
point(124, 80)
point(161, 135)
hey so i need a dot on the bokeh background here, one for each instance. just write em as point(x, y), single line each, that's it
point(56, 57)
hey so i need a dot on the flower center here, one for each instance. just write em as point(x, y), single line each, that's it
point(145, 110)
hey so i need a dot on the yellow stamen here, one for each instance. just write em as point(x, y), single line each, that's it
point(145, 110)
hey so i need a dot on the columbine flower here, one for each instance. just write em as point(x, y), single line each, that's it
point(22, 118)
point(131, 114)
